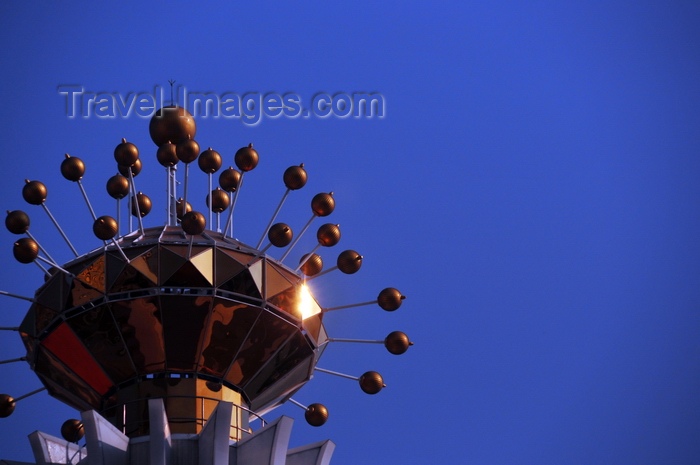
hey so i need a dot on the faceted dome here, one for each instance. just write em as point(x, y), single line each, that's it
point(212, 308)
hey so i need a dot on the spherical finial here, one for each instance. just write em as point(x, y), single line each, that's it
point(323, 204)
point(316, 414)
point(172, 124)
point(187, 151)
point(135, 169)
point(167, 154)
point(328, 234)
point(349, 261)
point(390, 299)
point(295, 177)
point(182, 207)
point(193, 223)
point(25, 250)
point(246, 158)
point(313, 265)
point(72, 168)
point(34, 192)
point(144, 203)
point(118, 186)
point(209, 161)
point(220, 200)
point(126, 153)
point(371, 382)
point(17, 222)
point(397, 342)
point(229, 179)
point(105, 227)
point(72, 430)
point(280, 235)
point(7, 405)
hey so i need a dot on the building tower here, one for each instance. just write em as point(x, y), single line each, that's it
point(175, 340)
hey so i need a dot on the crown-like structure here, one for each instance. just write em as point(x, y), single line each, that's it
point(172, 339)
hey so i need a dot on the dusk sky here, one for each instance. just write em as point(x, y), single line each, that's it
point(531, 187)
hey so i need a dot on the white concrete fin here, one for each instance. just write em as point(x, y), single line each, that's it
point(214, 437)
point(106, 445)
point(319, 453)
point(52, 450)
point(267, 446)
point(161, 444)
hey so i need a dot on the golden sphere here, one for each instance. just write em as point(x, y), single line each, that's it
point(371, 382)
point(295, 177)
point(182, 208)
point(72, 430)
point(167, 154)
point(389, 299)
point(25, 250)
point(323, 204)
point(313, 265)
point(229, 179)
point(126, 153)
point(173, 124)
point(34, 192)
point(144, 204)
point(17, 222)
point(7, 405)
point(397, 342)
point(246, 158)
point(193, 223)
point(220, 200)
point(209, 161)
point(316, 414)
point(118, 186)
point(135, 169)
point(349, 261)
point(280, 235)
point(328, 234)
point(187, 151)
point(105, 227)
point(72, 168)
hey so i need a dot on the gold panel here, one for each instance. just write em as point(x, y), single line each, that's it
point(94, 274)
point(226, 267)
point(147, 264)
point(204, 262)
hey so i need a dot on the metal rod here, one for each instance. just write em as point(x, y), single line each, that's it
point(28, 299)
point(120, 250)
point(12, 360)
point(330, 309)
point(42, 268)
point(322, 273)
point(291, 246)
point(136, 203)
point(335, 373)
point(87, 201)
point(37, 391)
point(187, 175)
point(308, 256)
point(367, 341)
point(46, 209)
point(229, 222)
point(119, 220)
point(274, 215)
point(211, 210)
point(297, 404)
point(9, 328)
point(40, 247)
point(48, 262)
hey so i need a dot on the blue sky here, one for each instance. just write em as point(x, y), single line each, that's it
point(532, 190)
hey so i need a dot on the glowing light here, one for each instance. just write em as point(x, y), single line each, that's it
point(307, 305)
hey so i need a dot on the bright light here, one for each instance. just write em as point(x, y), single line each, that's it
point(307, 304)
